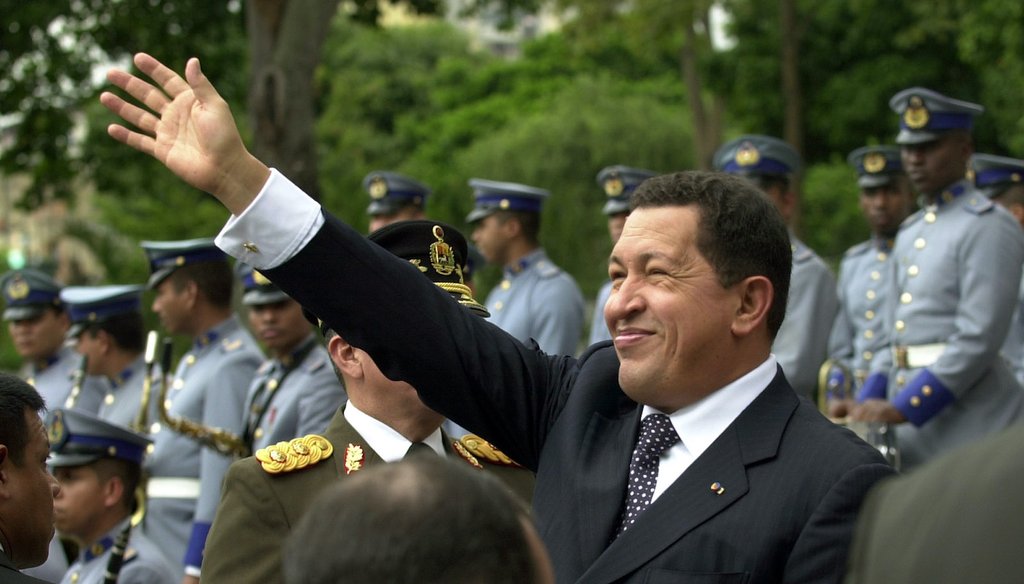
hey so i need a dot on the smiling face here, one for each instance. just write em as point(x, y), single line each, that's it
point(669, 315)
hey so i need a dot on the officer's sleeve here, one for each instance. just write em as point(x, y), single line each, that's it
point(988, 266)
point(248, 531)
point(557, 310)
point(223, 407)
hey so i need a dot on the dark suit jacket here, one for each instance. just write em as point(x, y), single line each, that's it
point(955, 519)
point(258, 510)
point(10, 575)
point(793, 481)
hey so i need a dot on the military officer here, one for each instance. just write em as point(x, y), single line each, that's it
point(1000, 178)
point(957, 264)
point(383, 421)
point(393, 197)
point(618, 183)
point(295, 391)
point(109, 332)
point(194, 284)
point(99, 466)
point(885, 200)
point(536, 299)
point(802, 342)
point(38, 325)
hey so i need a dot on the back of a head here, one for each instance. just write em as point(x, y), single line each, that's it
point(16, 397)
point(742, 234)
point(422, 520)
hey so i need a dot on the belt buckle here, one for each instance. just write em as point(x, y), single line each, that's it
point(900, 356)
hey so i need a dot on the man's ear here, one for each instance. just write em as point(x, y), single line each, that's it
point(113, 491)
point(756, 294)
point(345, 357)
point(5, 469)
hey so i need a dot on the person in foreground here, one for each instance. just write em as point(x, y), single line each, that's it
point(27, 488)
point(409, 515)
point(747, 479)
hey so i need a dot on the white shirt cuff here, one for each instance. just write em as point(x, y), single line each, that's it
point(278, 224)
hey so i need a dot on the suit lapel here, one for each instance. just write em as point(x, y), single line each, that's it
point(690, 500)
point(601, 479)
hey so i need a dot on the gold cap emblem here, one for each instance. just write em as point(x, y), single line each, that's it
point(17, 288)
point(378, 187)
point(442, 256)
point(613, 186)
point(874, 162)
point(747, 155)
point(259, 279)
point(916, 116)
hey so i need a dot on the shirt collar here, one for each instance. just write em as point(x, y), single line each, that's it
point(700, 424)
point(383, 439)
point(525, 262)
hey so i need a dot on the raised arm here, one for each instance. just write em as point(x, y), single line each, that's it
point(186, 125)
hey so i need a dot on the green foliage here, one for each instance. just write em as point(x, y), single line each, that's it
point(831, 219)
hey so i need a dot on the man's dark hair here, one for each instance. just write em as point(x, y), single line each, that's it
point(768, 182)
point(128, 330)
point(214, 280)
point(1011, 195)
point(16, 397)
point(740, 232)
point(529, 222)
point(424, 519)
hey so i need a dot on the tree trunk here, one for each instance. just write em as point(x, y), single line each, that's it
point(790, 67)
point(285, 40)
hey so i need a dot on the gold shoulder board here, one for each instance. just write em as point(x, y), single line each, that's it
point(297, 454)
point(481, 448)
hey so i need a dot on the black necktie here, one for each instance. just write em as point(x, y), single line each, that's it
point(419, 449)
point(656, 436)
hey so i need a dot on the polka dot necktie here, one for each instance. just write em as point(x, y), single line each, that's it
point(656, 436)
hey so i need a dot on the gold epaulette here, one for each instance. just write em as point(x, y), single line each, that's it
point(297, 454)
point(481, 448)
point(229, 345)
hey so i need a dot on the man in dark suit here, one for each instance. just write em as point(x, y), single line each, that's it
point(27, 488)
point(751, 483)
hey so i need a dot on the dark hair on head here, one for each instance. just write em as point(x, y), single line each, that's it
point(408, 522)
point(17, 397)
point(128, 330)
point(214, 279)
point(530, 222)
point(740, 232)
point(769, 182)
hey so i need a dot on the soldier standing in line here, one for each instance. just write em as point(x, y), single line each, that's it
point(618, 182)
point(1000, 179)
point(536, 300)
point(393, 197)
point(295, 391)
point(194, 284)
point(857, 334)
point(802, 343)
point(38, 325)
point(957, 265)
point(106, 323)
point(99, 466)
point(383, 421)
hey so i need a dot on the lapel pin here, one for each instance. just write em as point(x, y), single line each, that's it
point(717, 488)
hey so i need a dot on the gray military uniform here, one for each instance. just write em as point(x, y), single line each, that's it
point(802, 342)
point(293, 398)
point(209, 387)
point(598, 327)
point(123, 399)
point(865, 274)
point(538, 300)
point(54, 382)
point(957, 275)
point(143, 562)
